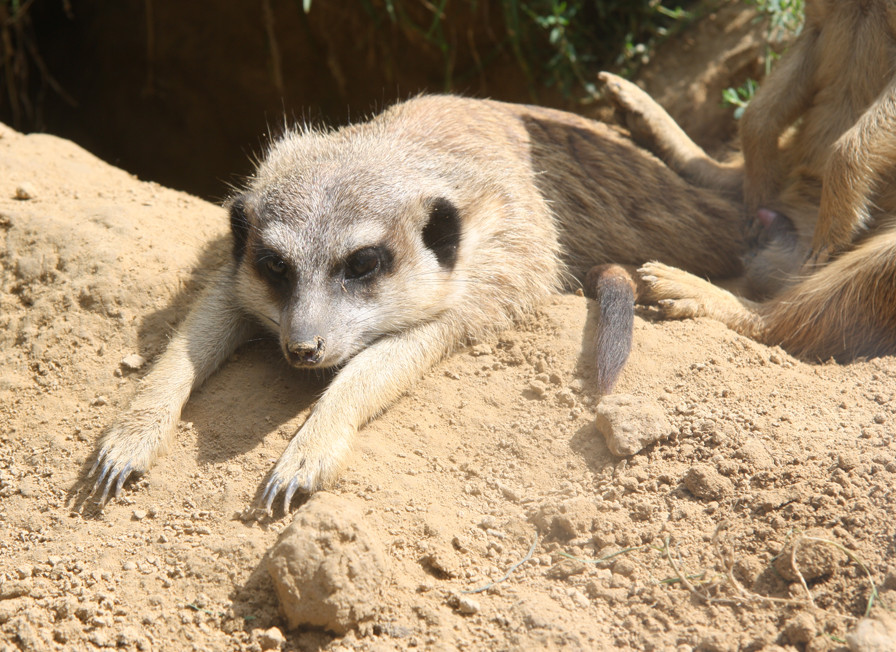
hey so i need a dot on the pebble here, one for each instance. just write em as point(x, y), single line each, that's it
point(25, 191)
point(133, 362)
point(800, 629)
point(630, 423)
point(464, 604)
point(99, 401)
point(271, 639)
point(706, 483)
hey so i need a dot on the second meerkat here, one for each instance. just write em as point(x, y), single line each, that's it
point(380, 247)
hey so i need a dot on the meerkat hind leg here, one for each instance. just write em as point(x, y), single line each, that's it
point(654, 129)
point(681, 295)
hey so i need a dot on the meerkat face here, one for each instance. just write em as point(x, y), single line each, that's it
point(331, 270)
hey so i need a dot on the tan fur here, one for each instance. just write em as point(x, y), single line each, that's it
point(819, 146)
point(541, 196)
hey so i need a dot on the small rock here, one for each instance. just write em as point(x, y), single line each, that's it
point(139, 514)
point(877, 633)
point(624, 567)
point(271, 639)
point(129, 566)
point(328, 566)
point(99, 401)
point(566, 397)
point(25, 191)
point(800, 629)
point(479, 350)
point(755, 453)
point(538, 388)
point(847, 460)
point(629, 423)
point(133, 362)
point(24, 571)
point(464, 604)
point(15, 589)
point(566, 568)
point(706, 483)
point(814, 559)
point(442, 562)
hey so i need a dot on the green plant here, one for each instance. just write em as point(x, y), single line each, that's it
point(784, 21)
point(559, 44)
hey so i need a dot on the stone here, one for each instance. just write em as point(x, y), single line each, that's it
point(630, 423)
point(328, 566)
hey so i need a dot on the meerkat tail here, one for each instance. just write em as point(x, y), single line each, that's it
point(614, 290)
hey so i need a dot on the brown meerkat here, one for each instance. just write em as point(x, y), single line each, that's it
point(819, 173)
point(380, 247)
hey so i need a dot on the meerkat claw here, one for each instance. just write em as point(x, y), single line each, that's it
point(270, 492)
point(289, 492)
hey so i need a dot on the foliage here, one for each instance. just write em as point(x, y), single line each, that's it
point(560, 44)
point(784, 21)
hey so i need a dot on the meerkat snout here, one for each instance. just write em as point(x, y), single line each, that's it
point(305, 353)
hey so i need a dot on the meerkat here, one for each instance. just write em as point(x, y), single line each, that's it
point(818, 166)
point(380, 247)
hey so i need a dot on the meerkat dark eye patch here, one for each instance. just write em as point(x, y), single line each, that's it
point(271, 267)
point(441, 235)
point(364, 264)
point(239, 228)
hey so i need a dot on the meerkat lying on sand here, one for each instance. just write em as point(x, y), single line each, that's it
point(381, 247)
point(825, 189)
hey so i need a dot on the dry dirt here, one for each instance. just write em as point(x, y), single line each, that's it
point(687, 544)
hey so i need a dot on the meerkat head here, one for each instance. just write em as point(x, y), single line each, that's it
point(333, 253)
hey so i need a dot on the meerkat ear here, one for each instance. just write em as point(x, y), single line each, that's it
point(442, 232)
point(239, 227)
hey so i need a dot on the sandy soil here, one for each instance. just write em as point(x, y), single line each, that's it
point(495, 449)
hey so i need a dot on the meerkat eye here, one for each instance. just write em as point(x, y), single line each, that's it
point(276, 266)
point(363, 264)
point(271, 266)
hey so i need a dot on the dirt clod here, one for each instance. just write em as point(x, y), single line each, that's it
point(801, 628)
point(25, 191)
point(876, 633)
point(706, 483)
point(328, 566)
point(630, 423)
point(814, 558)
point(271, 639)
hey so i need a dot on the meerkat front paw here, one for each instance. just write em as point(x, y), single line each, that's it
point(678, 293)
point(130, 446)
point(309, 463)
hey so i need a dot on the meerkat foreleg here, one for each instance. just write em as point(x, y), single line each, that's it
point(783, 96)
point(211, 332)
point(858, 161)
point(367, 384)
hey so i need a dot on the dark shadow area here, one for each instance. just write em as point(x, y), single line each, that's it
point(251, 395)
point(186, 93)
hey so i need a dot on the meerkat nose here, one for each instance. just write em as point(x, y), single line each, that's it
point(306, 353)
